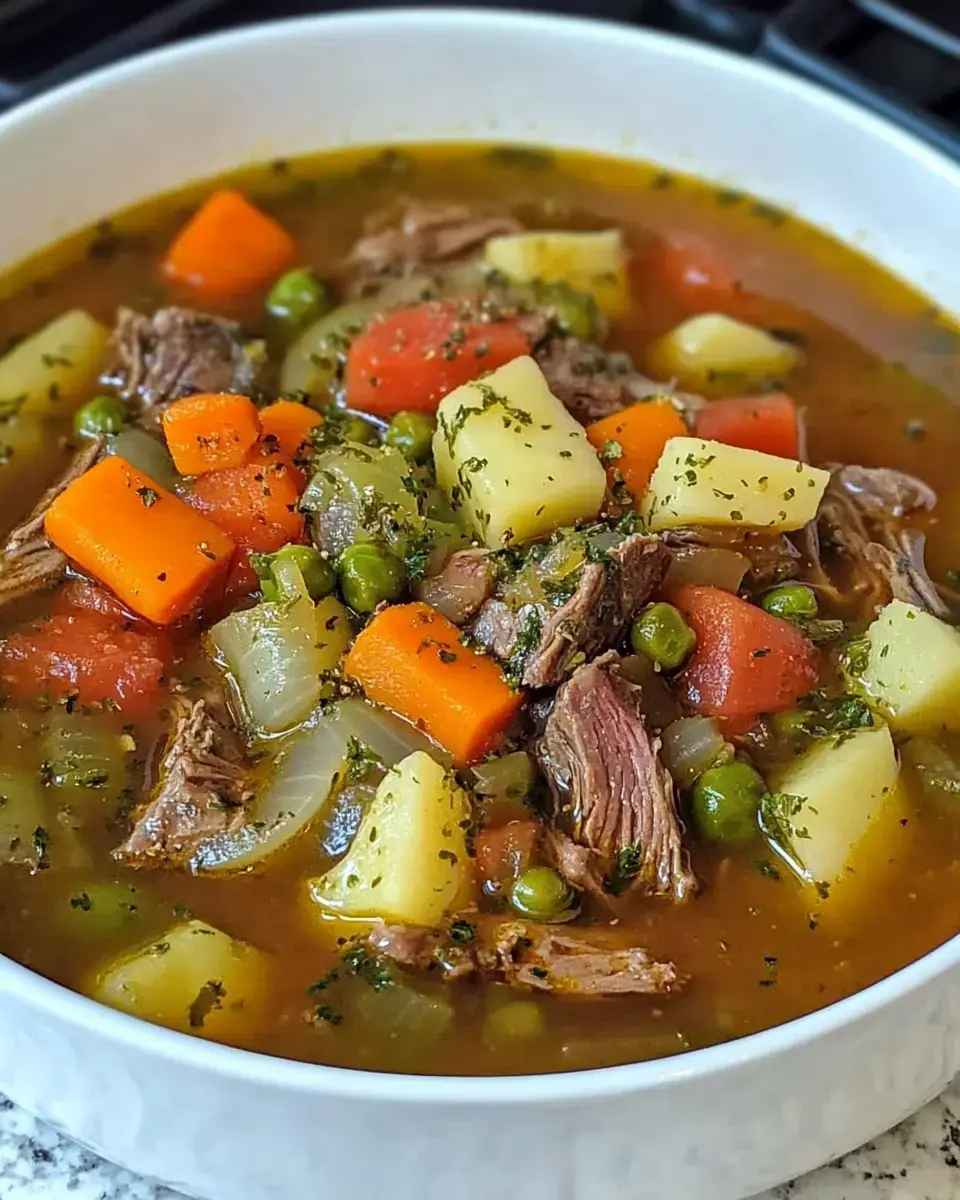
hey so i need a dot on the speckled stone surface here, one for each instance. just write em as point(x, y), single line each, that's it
point(920, 1160)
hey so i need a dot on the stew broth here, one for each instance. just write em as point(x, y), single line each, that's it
point(879, 387)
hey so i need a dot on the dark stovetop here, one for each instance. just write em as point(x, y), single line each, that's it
point(899, 57)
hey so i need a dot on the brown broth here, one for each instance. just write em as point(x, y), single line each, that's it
point(880, 387)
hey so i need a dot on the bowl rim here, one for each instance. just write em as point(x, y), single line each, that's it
point(54, 1000)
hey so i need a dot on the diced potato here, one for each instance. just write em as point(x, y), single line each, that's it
point(697, 482)
point(589, 262)
point(913, 669)
point(194, 978)
point(843, 788)
point(714, 348)
point(408, 861)
point(46, 374)
point(513, 459)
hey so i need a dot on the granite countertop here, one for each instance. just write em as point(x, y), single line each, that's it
point(920, 1160)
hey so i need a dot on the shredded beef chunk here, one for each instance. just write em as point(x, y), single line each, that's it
point(772, 557)
point(462, 585)
point(200, 794)
point(177, 352)
point(541, 645)
point(612, 795)
point(28, 562)
point(593, 383)
point(858, 543)
point(530, 957)
point(424, 234)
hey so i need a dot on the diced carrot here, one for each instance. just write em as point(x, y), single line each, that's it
point(210, 432)
point(695, 271)
point(287, 424)
point(153, 551)
point(228, 248)
point(634, 440)
point(504, 852)
point(412, 358)
point(746, 661)
point(86, 655)
point(765, 423)
point(410, 659)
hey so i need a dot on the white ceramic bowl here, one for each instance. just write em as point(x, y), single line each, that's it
point(720, 1123)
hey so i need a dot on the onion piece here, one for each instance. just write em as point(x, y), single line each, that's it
point(690, 746)
point(304, 779)
point(510, 777)
point(279, 655)
point(148, 454)
point(695, 566)
point(936, 768)
point(660, 707)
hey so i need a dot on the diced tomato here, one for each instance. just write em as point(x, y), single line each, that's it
point(503, 852)
point(412, 358)
point(746, 661)
point(88, 655)
point(256, 505)
point(694, 270)
point(766, 423)
point(87, 596)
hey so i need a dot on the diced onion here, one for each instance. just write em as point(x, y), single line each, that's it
point(660, 707)
point(695, 566)
point(690, 746)
point(307, 770)
point(510, 776)
point(148, 454)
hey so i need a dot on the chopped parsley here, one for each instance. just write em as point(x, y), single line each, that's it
point(361, 760)
point(626, 867)
point(209, 998)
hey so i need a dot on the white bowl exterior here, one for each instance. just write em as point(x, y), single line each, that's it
point(722, 1123)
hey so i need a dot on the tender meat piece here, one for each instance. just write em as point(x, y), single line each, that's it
point(530, 957)
point(177, 352)
point(423, 234)
point(462, 585)
point(29, 563)
point(594, 383)
point(859, 536)
point(592, 620)
point(773, 557)
point(611, 793)
point(201, 793)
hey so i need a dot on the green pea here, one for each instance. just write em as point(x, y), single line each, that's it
point(100, 416)
point(576, 313)
point(412, 434)
point(541, 894)
point(97, 910)
point(662, 635)
point(351, 428)
point(369, 575)
point(318, 574)
point(298, 298)
point(791, 724)
point(790, 600)
point(514, 1021)
point(725, 802)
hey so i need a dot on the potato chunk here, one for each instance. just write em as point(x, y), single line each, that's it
point(408, 861)
point(913, 669)
point(830, 799)
point(513, 459)
point(714, 348)
point(588, 262)
point(45, 375)
point(194, 978)
point(697, 482)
